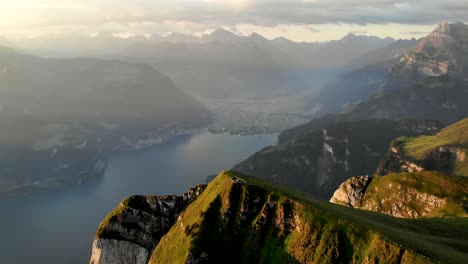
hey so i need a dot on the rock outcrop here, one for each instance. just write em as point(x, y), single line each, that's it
point(351, 191)
point(130, 233)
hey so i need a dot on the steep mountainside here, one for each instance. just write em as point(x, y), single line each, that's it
point(408, 195)
point(367, 74)
point(319, 161)
point(242, 219)
point(430, 82)
point(442, 52)
point(445, 152)
point(438, 98)
point(62, 117)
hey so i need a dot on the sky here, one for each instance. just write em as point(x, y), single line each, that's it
point(298, 20)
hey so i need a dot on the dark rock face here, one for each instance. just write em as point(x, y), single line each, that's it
point(135, 227)
point(317, 162)
point(395, 162)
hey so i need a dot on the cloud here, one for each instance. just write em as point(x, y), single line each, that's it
point(414, 33)
point(126, 15)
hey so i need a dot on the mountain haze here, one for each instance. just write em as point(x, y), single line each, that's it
point(64, 116)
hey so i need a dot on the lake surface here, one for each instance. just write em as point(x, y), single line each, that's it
point(58, 226)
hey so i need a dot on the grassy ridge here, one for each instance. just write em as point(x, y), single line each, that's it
point(328, 232)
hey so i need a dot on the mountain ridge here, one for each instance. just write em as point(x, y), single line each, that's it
point(259, 221)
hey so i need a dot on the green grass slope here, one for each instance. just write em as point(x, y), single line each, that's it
point(424, 148)
point(262, 222)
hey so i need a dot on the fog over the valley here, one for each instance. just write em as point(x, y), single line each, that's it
point(87, 78)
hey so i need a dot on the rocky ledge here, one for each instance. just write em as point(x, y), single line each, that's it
point(133, 229)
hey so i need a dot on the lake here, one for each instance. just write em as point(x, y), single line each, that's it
point(57, 226)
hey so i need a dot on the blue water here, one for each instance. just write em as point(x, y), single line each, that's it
point(57, 226)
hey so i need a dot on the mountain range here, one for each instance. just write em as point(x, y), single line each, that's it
point(396, 181)
point(228, 72)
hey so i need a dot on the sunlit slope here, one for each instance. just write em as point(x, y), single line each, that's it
point(257, 221)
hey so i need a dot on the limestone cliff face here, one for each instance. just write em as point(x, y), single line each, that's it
point(133, 229)
point(405, 202)
point(351, 191)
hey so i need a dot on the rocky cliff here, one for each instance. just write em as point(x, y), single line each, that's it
point(132, 230)
point(351, 191)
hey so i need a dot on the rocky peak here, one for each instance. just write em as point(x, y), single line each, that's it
point(443, 52)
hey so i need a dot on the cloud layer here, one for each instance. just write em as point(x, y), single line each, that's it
point(190, 16)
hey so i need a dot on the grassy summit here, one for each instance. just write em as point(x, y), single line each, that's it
point(257, 221)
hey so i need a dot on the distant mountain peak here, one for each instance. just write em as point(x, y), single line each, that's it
point(257, 36)
point(222, 32)
point(223, 35)
point(350, 35)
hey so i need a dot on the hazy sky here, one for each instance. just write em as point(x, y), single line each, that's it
point(301, 20)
